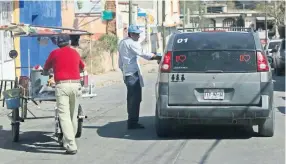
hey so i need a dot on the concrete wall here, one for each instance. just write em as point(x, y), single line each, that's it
point(92, 24)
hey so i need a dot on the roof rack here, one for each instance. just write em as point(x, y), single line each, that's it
point(216, 29)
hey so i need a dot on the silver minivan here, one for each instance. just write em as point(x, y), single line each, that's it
point(214, 78)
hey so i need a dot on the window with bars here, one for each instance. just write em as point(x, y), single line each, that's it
point(228, 22)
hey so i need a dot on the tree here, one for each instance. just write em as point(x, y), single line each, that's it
point(110, 44)
point(240, 21)
point(275, 9)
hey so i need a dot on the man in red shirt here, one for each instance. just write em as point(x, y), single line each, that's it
point(66, 64)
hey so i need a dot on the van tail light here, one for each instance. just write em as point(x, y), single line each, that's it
point(262, 62)
point(166, 64)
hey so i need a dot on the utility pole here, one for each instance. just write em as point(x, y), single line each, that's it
point(157, 16)
point(266, 32)
point(276, 21)
point(184, 14)
point(200, 15)
point(130, 12)
point(163, 20)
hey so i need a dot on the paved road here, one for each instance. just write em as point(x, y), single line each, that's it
point(106, 140)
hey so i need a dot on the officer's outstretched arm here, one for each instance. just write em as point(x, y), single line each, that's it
point(136, 49)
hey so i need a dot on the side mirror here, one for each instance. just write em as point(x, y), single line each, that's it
point(13, 54)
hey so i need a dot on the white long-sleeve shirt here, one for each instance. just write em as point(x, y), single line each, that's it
point(129, 50)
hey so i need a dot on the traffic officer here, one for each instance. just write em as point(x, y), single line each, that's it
point(66, 64)
point(129, 50)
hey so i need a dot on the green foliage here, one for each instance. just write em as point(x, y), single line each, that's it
point(110, 42)
point(240, 21)
point(275, 9)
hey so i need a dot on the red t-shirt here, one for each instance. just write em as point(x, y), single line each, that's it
point(66, 64)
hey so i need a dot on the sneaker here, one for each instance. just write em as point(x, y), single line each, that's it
point(71, 152)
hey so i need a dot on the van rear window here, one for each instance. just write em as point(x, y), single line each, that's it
point(214, 41)
point(214, 61)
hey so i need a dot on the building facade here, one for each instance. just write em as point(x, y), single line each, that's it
point(48, 13)
point(219, 15)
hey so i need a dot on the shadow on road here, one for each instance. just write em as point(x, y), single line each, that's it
point(118, 130)
point(279, 84)
point(33, 141)
point(208, 152)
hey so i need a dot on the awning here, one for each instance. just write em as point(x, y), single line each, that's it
point(27, 30)
point(263, 18)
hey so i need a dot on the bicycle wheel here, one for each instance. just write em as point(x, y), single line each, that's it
point(80, 122)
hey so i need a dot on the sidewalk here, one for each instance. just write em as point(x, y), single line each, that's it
point(113, 77)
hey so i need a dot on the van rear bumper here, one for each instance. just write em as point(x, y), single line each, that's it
point(213, 112)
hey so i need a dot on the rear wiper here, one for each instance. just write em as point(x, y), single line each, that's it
point(214, 71)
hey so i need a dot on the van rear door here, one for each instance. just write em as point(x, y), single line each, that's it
point(214, 69)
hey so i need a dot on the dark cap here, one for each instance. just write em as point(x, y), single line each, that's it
point(61, 40)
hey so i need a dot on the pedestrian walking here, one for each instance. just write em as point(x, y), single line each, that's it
point(66, 64)
point(129, 50)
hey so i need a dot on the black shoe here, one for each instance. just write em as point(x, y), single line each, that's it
point(72, 152)
point(135, 126)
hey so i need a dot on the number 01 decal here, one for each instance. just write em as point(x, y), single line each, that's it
point(182, 40)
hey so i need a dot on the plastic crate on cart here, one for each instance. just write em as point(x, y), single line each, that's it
point(12, 98)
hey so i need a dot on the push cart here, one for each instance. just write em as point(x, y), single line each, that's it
point(36, 88)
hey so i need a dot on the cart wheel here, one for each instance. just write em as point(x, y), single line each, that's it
point(24, 106)
point(80, 121)
point(60, 135)
point(60, 139)
point(15, 125)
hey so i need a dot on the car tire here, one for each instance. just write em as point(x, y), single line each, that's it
point(266, 129)
point(162, 126)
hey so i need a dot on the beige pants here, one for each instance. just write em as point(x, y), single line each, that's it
point(67, 103)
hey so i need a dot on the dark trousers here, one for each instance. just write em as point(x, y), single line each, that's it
point(134, 97)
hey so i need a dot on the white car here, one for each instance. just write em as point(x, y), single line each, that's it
point(271, 45)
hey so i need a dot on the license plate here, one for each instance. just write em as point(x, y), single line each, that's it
point(213, 94)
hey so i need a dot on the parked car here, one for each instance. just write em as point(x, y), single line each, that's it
point(278, 55)
point(272, 44)
point(214, 78)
